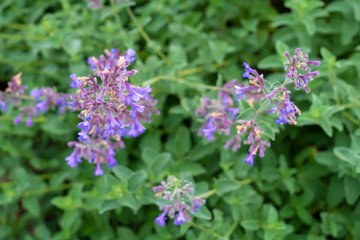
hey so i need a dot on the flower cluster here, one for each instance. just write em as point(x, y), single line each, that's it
point(176, 197)
point(45, 98)
point(219, 115)
point(110, 108)
point(214, 111)
point(300, 62)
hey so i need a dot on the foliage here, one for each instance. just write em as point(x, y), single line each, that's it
point(307, 186)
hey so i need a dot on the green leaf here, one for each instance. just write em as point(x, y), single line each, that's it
point(348, 31)
point(335, 193)
point(270, 62)
point(309, 25)
point(347, 155)
point(327, 56)
point(137, 180)
point(123, 173)
point(161, 163)
point(181, 141)
point(192, 168)
point(352, 189)
point(250, 224)
point(109, 205)
point(223, 186)
point(281, 48)
point(69, 218)
point(31, 204)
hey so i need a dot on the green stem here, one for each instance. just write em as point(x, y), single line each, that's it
point(232, 229)
point(35, 120)
point(351, 105)
point(50, 189)
point(16, 96)
point(146, 36)
point(206, 230)
point(246, 181)
point(351, 118)
point(207, 194)
point(118, 20)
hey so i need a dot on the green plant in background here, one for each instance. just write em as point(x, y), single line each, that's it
point(305, 187)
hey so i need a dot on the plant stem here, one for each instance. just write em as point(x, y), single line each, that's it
point(16, 96)
point(146, 36)
point(118, 20)
point(206, 230)
point(207, 194)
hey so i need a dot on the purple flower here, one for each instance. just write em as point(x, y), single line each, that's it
point(83, 137)
point(75, 81)
point(17, 120)
point(91, 62)
point(177, 193)
point(233, 112)
point(84, 126)
point(73, 159)
point(114, 53)
point(197, 206)
point(248, 70)
point(3, 105)
point(36, 93)
point(98, 170)
point(29, 121)
point(209, 130)
point(41, 106)
point(249, 159)
point(102, 100)
point(130, 53)
point(136, 108)
point(160, 220)
point(240, 91)
point(180, 218)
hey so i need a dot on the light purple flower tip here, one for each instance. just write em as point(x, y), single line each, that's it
point(98, 170)
point(76, 82)
point(73, 159)
point(17, 120)
point(249, 159)
point(180, 219)
point(29, 121)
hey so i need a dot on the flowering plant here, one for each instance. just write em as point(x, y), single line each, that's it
point(220, 115)
point(175, 195)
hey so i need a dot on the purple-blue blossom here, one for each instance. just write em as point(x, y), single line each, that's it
point(110, 107)
point(176, 193)
point(215, 111)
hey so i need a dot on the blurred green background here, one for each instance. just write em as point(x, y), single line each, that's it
point(306, 187)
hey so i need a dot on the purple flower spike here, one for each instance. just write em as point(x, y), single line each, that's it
point(103, 100)
point(177, 194)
